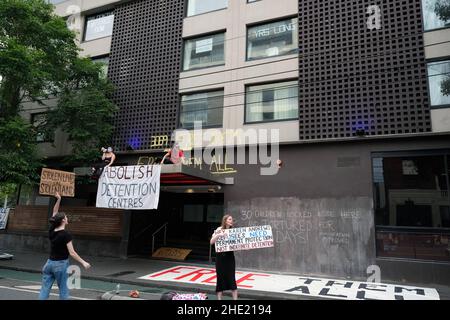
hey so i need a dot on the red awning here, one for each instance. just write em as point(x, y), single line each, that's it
point(183, 179)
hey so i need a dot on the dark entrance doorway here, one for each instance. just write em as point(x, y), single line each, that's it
point(194, 216)
point(191, 214)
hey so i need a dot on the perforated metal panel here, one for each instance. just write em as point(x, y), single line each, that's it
point(353, 78)
point(144, 66)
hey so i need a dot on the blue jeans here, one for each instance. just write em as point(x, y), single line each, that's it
point(55, 270)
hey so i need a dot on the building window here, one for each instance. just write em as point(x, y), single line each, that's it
point(272, 39)
point(204, 52)
point(99, 26)
point(38, 120)
point(55, 1)
point(433, 11)
point(412, 206)
point(105, 63)
point(272, 102)
point(202, 6)
point(206, 107)
point(439, 83)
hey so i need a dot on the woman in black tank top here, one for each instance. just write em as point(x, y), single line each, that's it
point(55, 269)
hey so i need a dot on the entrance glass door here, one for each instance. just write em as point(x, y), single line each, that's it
point(194, 216)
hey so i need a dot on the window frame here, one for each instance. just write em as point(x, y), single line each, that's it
point(406, 230)
point(423, 20)
point(224, 31)
point(407, 153)
point(179, 126)
point(58, 2)
point(440, 59)
point(103, 56)
point(264, 83)
point(199, 14)
point(261, 23)
point(32, 121)
point(86, 23)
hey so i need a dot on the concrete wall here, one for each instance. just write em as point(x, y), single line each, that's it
point(419, 272)
point(234, 20)
point(437, 43)
point(440, 120)
point(320, 206)
point(40, 243)
point(60, 145)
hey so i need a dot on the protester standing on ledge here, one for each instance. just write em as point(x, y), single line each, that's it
point(108, 159)
point(174, 155)
point(58, 262)
point(225, 262)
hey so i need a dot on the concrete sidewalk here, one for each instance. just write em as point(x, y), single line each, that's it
point(128, 271)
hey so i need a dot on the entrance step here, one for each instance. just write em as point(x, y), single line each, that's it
point(200, 250)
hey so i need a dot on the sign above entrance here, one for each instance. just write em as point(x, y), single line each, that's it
point(53, 181)
point(245, 239)
point(131, 187)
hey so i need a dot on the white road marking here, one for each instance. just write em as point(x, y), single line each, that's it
point(37, 292)
point(298, 285)
point(38, 287)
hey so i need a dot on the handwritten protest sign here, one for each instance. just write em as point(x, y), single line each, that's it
point(245, 239)
point(4, 212)
point(131, 187)
point(53, 181)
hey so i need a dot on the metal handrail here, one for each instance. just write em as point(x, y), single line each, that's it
point(210, 253)
point(142, 231)
point(154, 233)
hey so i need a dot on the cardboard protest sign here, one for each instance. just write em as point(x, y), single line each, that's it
point(171, 253)
point(4, 212)
point(53, 181)
point(245, 239)
point(130, 187)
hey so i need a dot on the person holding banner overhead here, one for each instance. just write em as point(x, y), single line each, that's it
point(225, 262)
point(61, 247)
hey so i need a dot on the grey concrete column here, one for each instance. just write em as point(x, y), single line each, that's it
point(123, 250)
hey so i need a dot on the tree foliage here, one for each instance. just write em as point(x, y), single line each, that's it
point(39, 62)
point(442, 9)
point(85, 111)
point(18, 153)
point(36, 47)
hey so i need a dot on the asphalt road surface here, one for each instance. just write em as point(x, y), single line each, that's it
point(18, 285)
point(16, 289)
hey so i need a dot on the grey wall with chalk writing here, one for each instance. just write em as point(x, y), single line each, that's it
point(314, 236)
point(320, 207)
